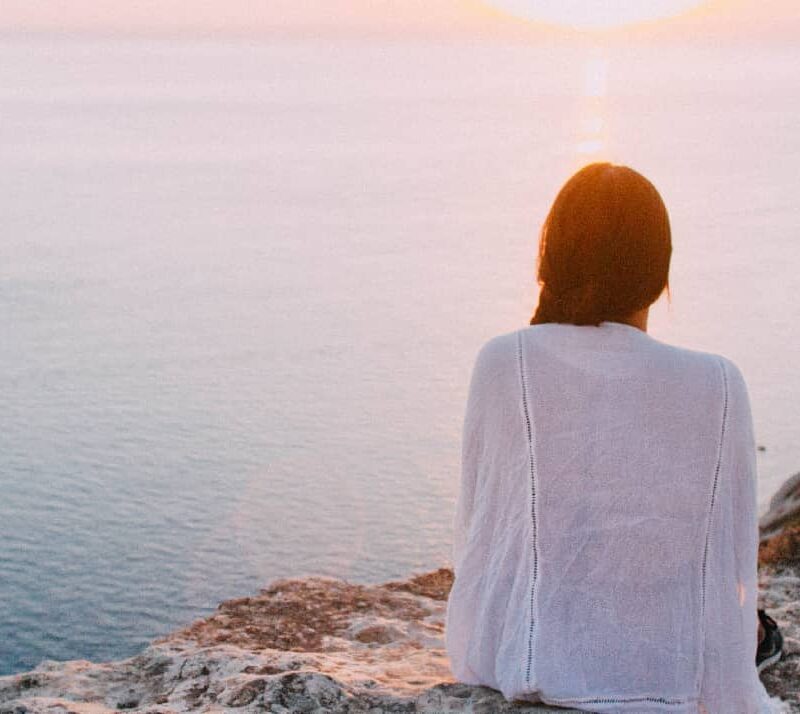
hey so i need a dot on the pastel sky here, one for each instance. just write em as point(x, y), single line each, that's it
point(748, 18)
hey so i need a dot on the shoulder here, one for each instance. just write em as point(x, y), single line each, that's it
point(494, 390)
point(698, 359)
point(498, 352)
point(495, 367)
point(736, 392)
point(708, 368)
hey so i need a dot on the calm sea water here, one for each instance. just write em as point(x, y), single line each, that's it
point(242, 285)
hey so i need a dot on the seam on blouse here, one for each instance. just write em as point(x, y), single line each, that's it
point(620, 700)
point(707, 539)
point(529, 426)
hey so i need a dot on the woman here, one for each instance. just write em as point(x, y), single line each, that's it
point(606, 536)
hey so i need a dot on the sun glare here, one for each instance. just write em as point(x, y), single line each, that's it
point(594, 14)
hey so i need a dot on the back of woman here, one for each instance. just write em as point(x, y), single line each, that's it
point(605, 536)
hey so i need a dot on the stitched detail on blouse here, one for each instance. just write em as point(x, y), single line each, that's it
point(717, 469)
point(532, 460)
point(621, 700)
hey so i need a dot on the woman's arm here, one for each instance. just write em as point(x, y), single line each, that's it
point(489, 375)
point(740, 454)
point(470, 448)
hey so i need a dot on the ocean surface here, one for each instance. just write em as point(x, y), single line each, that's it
point(243, 283)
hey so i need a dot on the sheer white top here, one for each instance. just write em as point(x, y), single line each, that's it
point(605, 535)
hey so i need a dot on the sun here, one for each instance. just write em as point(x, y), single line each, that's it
point(594, 14)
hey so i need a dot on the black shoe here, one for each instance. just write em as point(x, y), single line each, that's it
point(770, 649)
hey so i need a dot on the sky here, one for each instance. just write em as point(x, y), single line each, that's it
point(755, 19)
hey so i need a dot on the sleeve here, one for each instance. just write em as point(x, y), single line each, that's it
point(740, 454)
point(470, 449)
point(485, 389)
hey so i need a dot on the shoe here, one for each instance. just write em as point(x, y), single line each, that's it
point(770, 649)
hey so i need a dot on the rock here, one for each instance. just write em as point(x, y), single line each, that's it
point(779, 594)
point(779, 547)
point(779, 527)
point(313, 644)
point(320, 644)
point(779, 586)
point(782, 549)
point(784, 507)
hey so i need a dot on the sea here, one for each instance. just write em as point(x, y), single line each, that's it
point(243, 281)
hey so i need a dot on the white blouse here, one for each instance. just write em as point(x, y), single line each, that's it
point(605, 535)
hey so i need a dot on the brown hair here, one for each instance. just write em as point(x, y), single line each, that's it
point(604, 249)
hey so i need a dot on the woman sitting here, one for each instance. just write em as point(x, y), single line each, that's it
point(606, 533)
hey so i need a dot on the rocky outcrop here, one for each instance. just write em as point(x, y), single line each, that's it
point(779, 585)
point(321, 644)
point(784, 509)
point(301, 645)
point(779, 527)
point(779, 594)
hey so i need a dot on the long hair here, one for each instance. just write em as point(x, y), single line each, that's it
point(604, 249)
